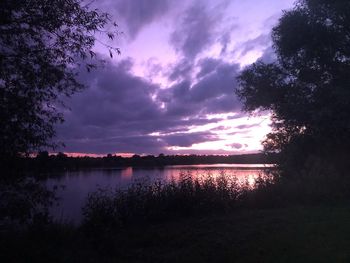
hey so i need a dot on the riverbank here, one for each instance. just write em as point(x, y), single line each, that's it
point(293, 234)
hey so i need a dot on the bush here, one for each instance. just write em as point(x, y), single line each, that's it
point(145, 201)
point(24, 201)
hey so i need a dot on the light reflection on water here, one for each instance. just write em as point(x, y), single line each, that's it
point(78, 184)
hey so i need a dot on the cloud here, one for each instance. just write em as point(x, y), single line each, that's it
point(212, 93)
point(188, 139)
point(220, 128)
point(135, 144)
point(219, 82)
point(207, 65)
point(262, 41)
point(123, 110)
point(269, 55)
point(181, 70)
point(136, 14)
point(196, 30)
point(112, 92)
point(236, 145)
point(246, 126)
point(225, 39)
point(120, 111)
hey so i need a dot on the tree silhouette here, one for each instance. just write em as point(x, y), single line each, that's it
point(307, 88)
point(42, 45)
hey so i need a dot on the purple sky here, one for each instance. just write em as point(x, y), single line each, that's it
point(172, 89)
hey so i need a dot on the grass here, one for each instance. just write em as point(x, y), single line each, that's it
point(294, 234)
point(301, 234)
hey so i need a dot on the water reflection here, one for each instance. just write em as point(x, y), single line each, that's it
point(78, 184)
point(126, 173)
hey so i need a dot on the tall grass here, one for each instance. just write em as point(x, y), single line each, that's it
point(145, 202)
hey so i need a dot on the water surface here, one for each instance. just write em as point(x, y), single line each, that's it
point(76, 185)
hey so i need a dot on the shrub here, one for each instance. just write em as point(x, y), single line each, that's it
point(145, 201)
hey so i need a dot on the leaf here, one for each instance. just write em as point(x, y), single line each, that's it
point(110, 35)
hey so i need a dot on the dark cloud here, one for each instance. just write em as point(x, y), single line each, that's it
point(220, 128)
point(119, 111)
point(223, 104)
point(136, 144)
point(207, 65)
point(236, 145)
point(246, 126)
point(181, 70)
point(213, 93)
point(220, 82)
point(237, 115)
point(262, 42)
point(196, 30)
point(202, 25)
point(112, 92)
point(188, 139)
point(138, 13)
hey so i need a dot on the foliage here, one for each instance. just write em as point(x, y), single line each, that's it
point(42, 45)
point(307, 88)
point(23, 202)
point(292, 234)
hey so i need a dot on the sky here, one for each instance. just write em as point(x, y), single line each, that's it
point(172, 88)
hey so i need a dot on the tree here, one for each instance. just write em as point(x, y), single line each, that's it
point(307, 88)
point(43, 43)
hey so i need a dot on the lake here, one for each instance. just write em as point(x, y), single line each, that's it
point(76, 185)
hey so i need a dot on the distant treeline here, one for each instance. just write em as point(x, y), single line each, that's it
point(44, 161)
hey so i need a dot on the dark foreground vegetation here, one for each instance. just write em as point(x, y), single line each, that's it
point(296, 234)
point(197, 219)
